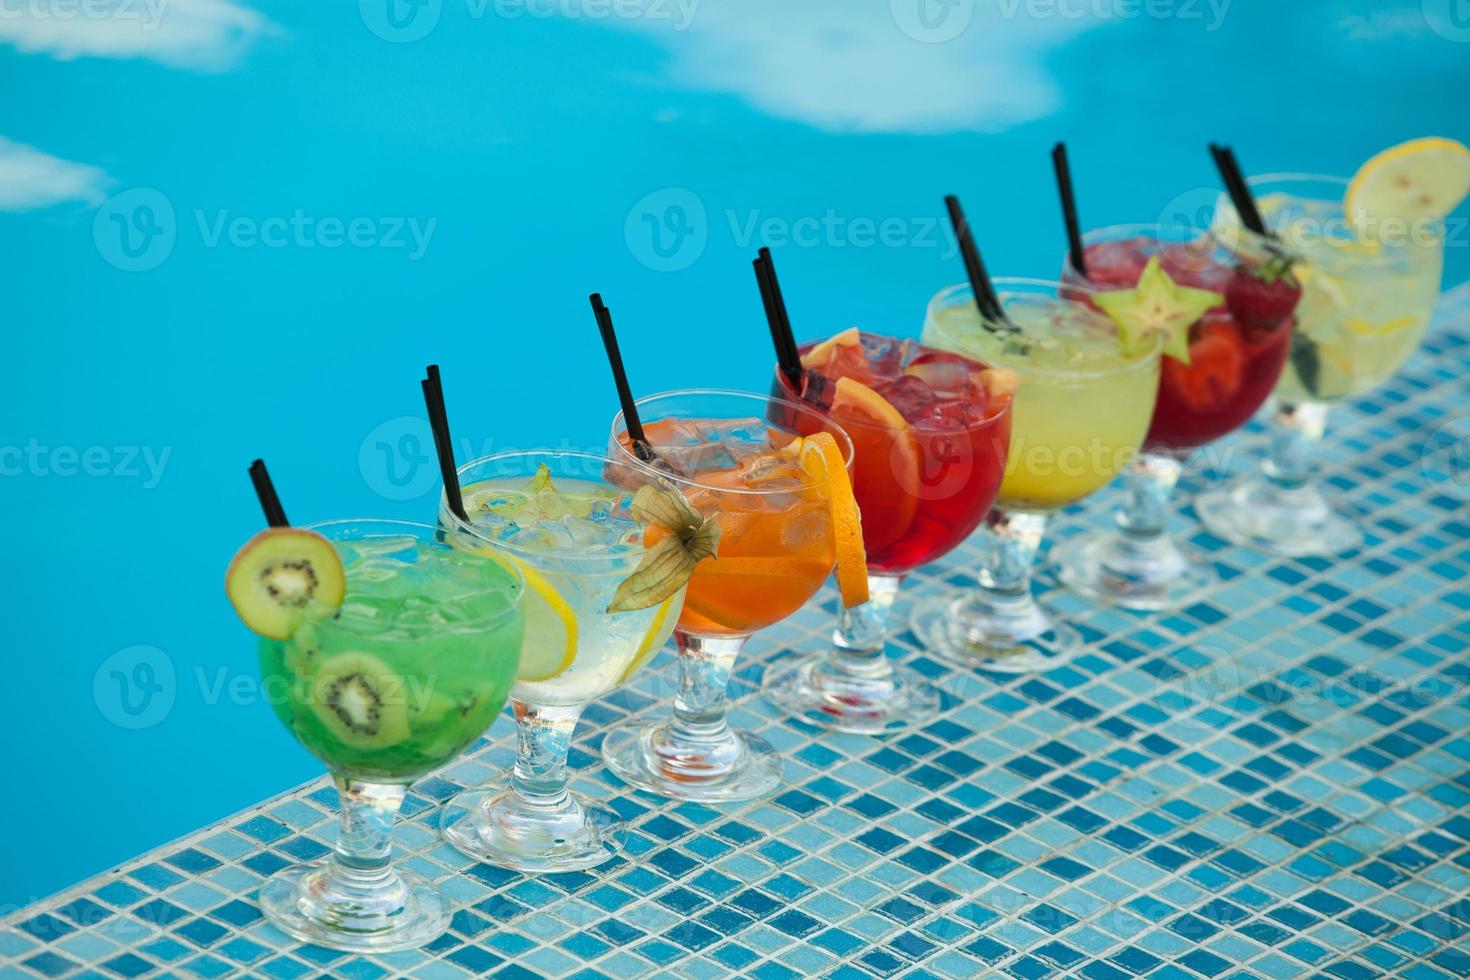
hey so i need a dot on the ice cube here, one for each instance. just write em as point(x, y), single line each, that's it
point(1196, 264)
point(885, 356)
point(1117, 264)
point(911, 395)
point(945, 374)
point(772, 471)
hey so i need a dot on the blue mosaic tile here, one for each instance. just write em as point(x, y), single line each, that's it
point(1271, 783)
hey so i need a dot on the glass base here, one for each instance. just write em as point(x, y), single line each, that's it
point(899, 698)
point(742, 767)
point(496, 827)
point(1296, 523)
point(294, 902)
point(1010, 636)
point(1148, 574)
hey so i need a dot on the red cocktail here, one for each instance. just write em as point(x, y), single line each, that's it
point(1236, 350)
point(930, 431)
point(1220, 369)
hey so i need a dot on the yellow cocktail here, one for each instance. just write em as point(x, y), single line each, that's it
point(1083, 405)
point(1081, 410)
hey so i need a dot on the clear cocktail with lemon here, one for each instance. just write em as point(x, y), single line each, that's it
point(582, 531)
point(775, 474)
point(1369, 253)
point(1085, 396)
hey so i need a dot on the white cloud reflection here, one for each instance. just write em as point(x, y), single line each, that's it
point(32, 179)
point(873, 66)
point(204, 35)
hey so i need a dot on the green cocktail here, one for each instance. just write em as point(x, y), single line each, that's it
point(395, 684)
point(385, 652)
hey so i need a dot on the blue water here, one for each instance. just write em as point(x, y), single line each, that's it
point(156, 344)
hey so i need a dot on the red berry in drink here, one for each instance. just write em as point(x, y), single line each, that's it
point(1215, 370)
point(1263, 297)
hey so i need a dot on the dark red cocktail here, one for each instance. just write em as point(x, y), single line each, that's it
point(1236, 350)
point(1228, 322)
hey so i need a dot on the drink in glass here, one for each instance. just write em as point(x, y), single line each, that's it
point(574, 526)
point(1082, 407)
point(385, 653)
point(1370, 255)
point(778, 497)
point(1233, 316)
point(930, 430)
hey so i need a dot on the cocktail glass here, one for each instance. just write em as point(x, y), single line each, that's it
point(1080, 414)
point(776, 549)
point(564, 519)
point(413, 668)
point(1232, 369)
point(930, 441)
point(1365, 308)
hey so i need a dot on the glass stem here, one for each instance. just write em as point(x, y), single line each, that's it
point(1148, 485)
point(543, 741)
point(1008, 544)
point(862, 631)
point(1296, 431)
point(705, 663)
point(357, 888)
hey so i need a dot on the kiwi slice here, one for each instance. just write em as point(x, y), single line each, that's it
point(280, 576)
point(360, 701)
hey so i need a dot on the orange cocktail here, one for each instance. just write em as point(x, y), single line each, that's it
point(785, 509)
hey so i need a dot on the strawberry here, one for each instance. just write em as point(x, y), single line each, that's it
point(1262, 298)
point(1215, 370)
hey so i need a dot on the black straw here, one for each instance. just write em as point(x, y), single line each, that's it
point(1069, 208)
point(985, 296)
point(266, 491)
point(788, 358)
point(620, 378)
point(1236, 187)
point(443, 444)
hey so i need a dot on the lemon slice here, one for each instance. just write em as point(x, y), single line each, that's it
point(652, 640)
point(822, 461)
point(550, 644)
point(1423, 178)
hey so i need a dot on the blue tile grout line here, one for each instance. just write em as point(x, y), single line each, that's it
point(1272, 783)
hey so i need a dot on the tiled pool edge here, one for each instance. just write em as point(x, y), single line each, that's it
point(1114, 842)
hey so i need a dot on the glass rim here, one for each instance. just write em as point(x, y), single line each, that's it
point(518, 581)
point(519, 552)
point(990, 418)
point(844, 444)
point(1392, 255)
point(941, 299)
point(1153, 230)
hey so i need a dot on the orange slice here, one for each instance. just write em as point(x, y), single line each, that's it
point(888, 465)
point(1000, 385)
point(823, 462)
point(823, 353)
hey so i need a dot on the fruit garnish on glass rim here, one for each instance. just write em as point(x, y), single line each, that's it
point(822, 460)
point(1157, 304)
point(1423, 178)
point(1263, 297)
point(282, 577)
point(679, 537)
